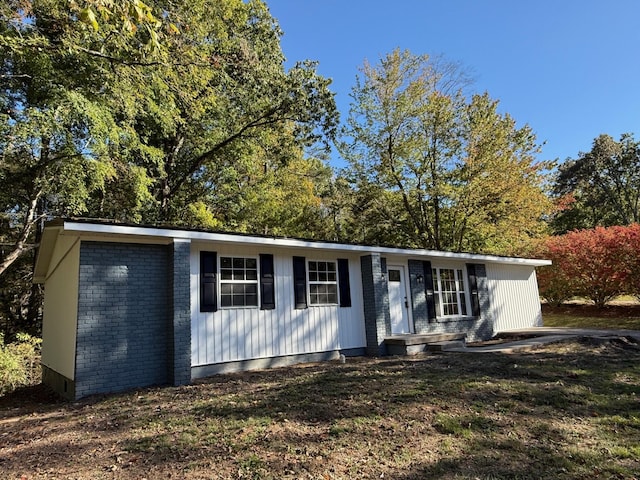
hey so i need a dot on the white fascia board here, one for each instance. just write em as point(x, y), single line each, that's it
point(229, 238)
point(476, 257)
point(45, 251)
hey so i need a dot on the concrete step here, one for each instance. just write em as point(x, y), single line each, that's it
point(445, 346)
point(412, 344)
point(419, 339)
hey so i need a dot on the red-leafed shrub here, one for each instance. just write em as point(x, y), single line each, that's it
point(597, 264)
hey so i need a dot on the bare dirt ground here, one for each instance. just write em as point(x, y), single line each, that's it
point(565, 411)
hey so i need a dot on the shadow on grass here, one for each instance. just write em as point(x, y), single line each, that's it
point(589, 381)
point(501, 416)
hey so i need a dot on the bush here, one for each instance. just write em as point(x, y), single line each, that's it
point(598, 264)
point(19, 362)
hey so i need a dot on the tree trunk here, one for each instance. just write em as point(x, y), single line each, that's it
point(22, 246)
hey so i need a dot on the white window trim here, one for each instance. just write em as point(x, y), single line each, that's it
point(221, 281)
point(437, 290)
point(318, 282)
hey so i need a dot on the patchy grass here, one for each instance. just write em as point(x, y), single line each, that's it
point(588, 316)
point(565, 411)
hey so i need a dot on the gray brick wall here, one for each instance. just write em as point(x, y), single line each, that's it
point(124, 318)
point(180, 348)
point(481, 328)
point(484, 328)
point(376, 304)
point(418, 297)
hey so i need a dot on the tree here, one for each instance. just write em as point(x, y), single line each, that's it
point(223, 97)
point(264, 196)
point(58, 136)
point(127, 31)
point(601, 187)
point(62, 140)
point(143, 136)
point(598, 264)
point(436, 169)
point(109, 110)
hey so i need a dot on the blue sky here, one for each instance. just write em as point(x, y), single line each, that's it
point(568, 68)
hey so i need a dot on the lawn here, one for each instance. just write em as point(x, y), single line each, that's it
point(565, 411)
point(588, 316)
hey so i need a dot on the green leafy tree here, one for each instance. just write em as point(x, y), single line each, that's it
point(600, 187)
point(54, 147)
point(58, 136)
point(62, 139)
point(110, 110)
point(223, 96)
point(121, 31)
point(95, 123)
point(436, 169)
point(262, 195)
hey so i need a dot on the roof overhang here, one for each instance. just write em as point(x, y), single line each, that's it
point(146, 234)
point(45, 251)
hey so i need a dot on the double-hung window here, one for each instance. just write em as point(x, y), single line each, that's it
point(238, 282)
point(323, 283)
point(449, 292)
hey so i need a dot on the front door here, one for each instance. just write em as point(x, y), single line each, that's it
point(398, 301)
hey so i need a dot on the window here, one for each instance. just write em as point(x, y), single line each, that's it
point(394, 276)
point(323, 283)
point(238, 282)
point(449, 292)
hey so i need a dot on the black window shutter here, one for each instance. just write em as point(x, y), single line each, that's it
point(300, 282)
point(267, 282)
point(208, 282)
point(473, 289)
point(344, 285)
point(428, 290)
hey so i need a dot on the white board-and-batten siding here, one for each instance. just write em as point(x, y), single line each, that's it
point(515, 302)
point(236, 334)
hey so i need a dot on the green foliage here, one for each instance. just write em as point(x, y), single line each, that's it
point(61, 139)
point(121, 31)
point(282, 199)
point(20, 299)
point(601, 187)
point(141, 133)
point(156, 112)
point(219, 98)
point(435, 169)
point(19, 362)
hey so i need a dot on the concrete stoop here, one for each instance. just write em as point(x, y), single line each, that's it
point(413, 344)
point(516, 346)
point(447, 346)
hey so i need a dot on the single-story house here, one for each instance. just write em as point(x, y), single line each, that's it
point(131, 306)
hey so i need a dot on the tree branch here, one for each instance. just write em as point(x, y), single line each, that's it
point(199, 161)
point(21, 246)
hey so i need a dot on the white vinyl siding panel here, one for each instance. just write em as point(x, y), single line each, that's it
point(515, 302)
point(233, 334)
